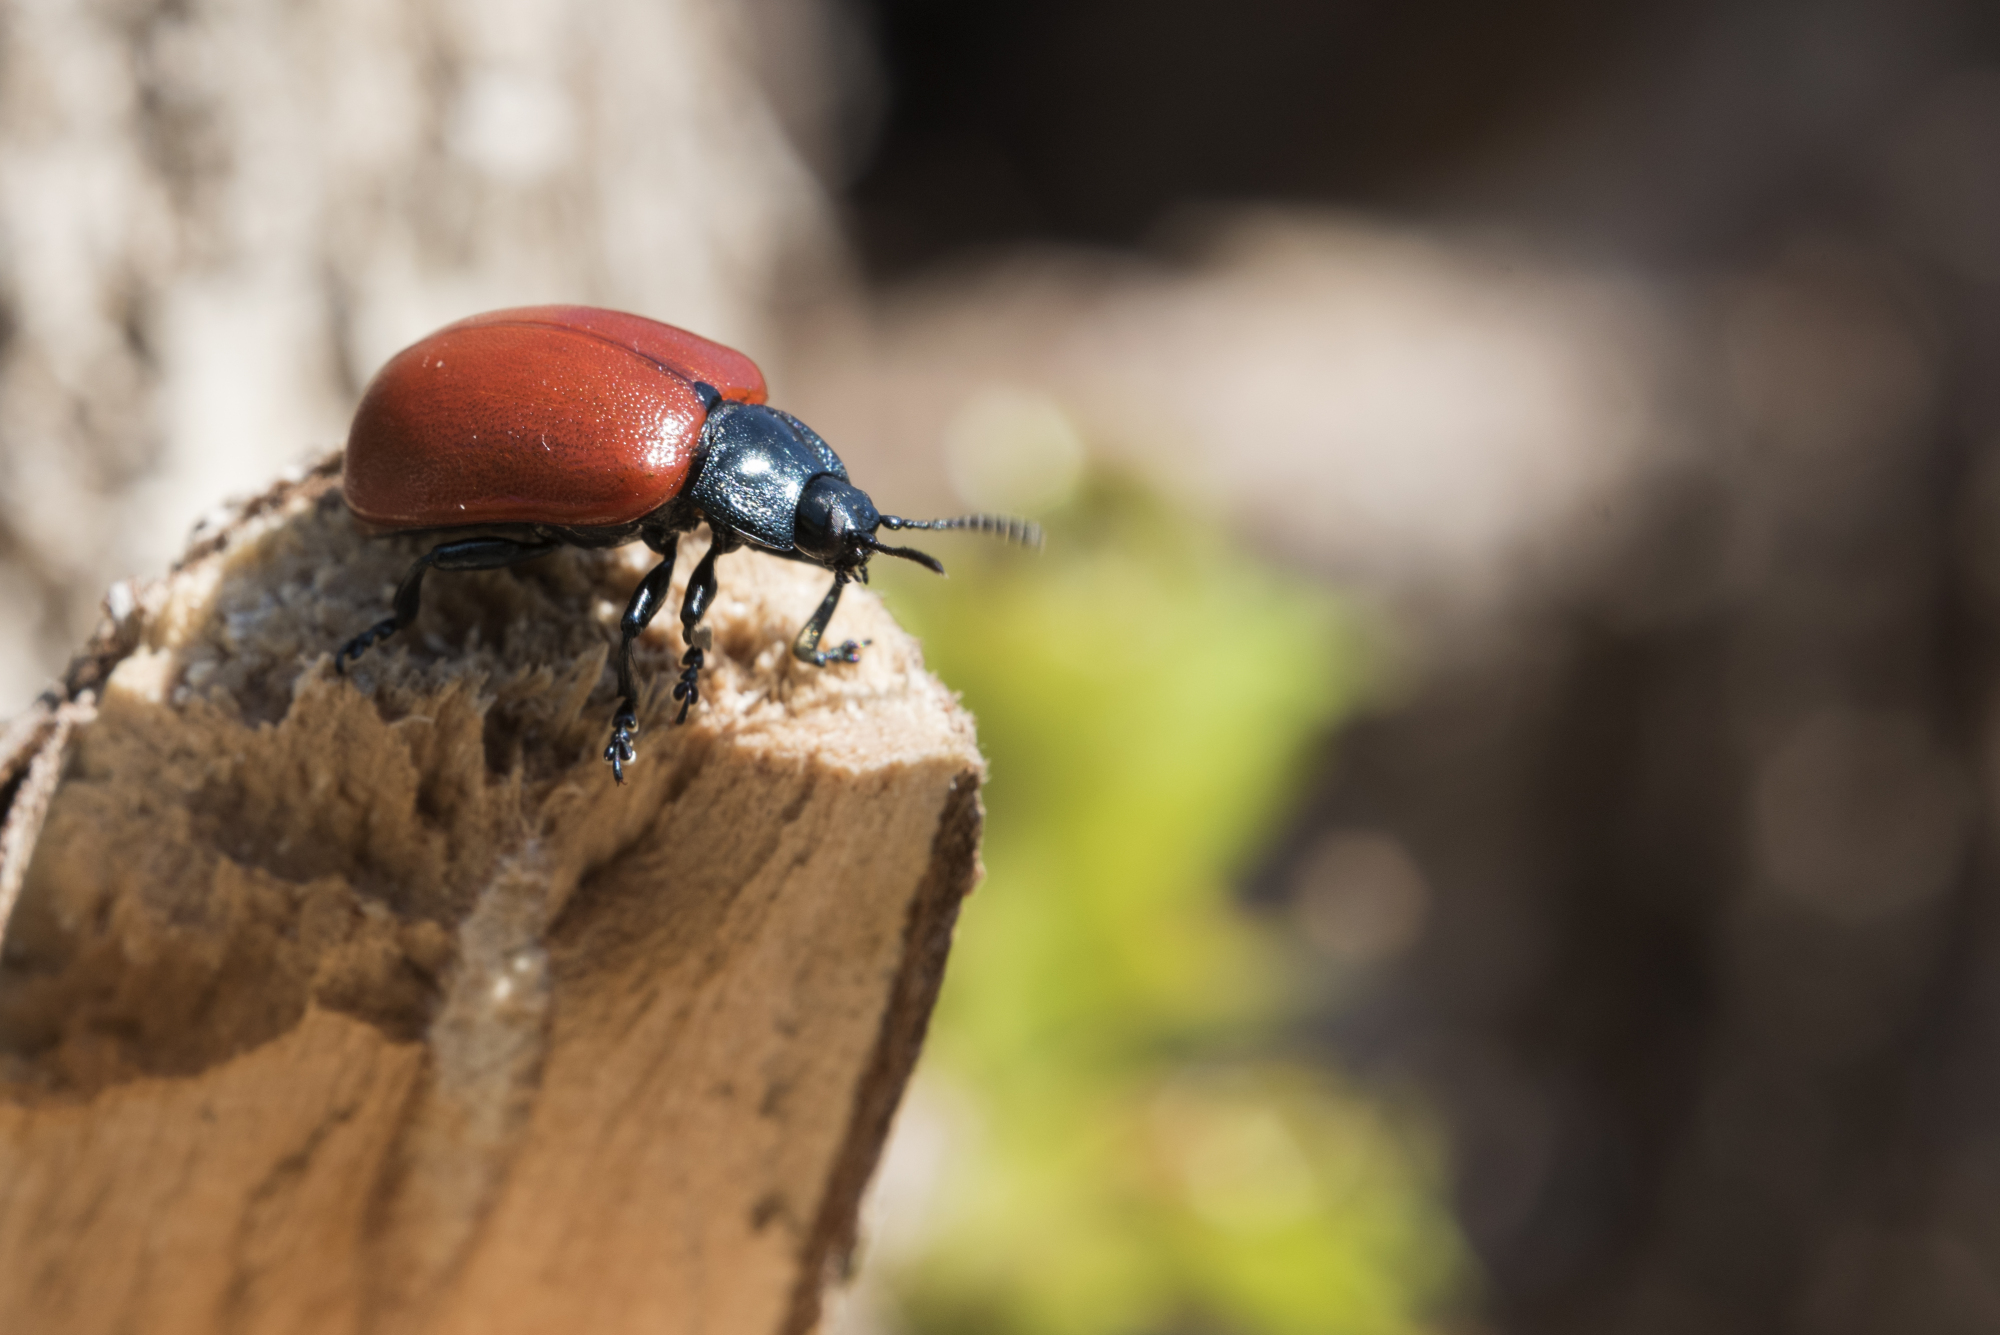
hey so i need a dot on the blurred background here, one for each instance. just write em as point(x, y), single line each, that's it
point(1490, 823)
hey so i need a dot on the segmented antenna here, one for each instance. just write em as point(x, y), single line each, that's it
point(1004, 527)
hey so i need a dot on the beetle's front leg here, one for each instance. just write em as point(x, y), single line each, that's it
point(806, 647)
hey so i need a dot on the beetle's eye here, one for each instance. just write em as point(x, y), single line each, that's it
point(820, 526)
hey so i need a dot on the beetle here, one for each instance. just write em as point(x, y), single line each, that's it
point(511, 434)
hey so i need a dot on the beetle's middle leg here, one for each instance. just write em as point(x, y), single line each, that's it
point(645, 603)
point(465, 554)
point(700, 594)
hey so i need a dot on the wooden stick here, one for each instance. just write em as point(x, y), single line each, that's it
point(368, 1003)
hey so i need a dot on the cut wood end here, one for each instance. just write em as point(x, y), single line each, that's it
point(524, 1049)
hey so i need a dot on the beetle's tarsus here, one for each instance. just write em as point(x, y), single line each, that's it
point(850, 652)
point(359, 645)
point(688, 689)
point(620, 752)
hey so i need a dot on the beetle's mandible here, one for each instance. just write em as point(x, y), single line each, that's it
point(510, 434)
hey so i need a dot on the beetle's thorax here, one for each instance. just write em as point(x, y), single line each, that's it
point(768, 477)
point(754, 465)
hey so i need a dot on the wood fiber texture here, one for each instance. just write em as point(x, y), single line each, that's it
point(368, 1003)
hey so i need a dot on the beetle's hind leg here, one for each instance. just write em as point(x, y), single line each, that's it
point(806, 647)
point(639, 612)
point(465, 554)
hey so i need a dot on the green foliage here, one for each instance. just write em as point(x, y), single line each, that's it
point(1142, 1155)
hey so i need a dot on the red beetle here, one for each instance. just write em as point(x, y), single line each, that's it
point(513, 433)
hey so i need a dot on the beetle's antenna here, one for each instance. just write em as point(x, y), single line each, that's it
point(1005, 527)
point(924, 559)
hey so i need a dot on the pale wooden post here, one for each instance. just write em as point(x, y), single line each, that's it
point(368, 1003)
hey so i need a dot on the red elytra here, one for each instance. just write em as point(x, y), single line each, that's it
point(559, 415)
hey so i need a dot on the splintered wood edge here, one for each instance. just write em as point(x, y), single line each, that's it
point(34, 744)
point(31, 760)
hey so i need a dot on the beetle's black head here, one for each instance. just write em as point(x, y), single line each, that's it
point(770, 478)
point(836, 526)
point(837, 523)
